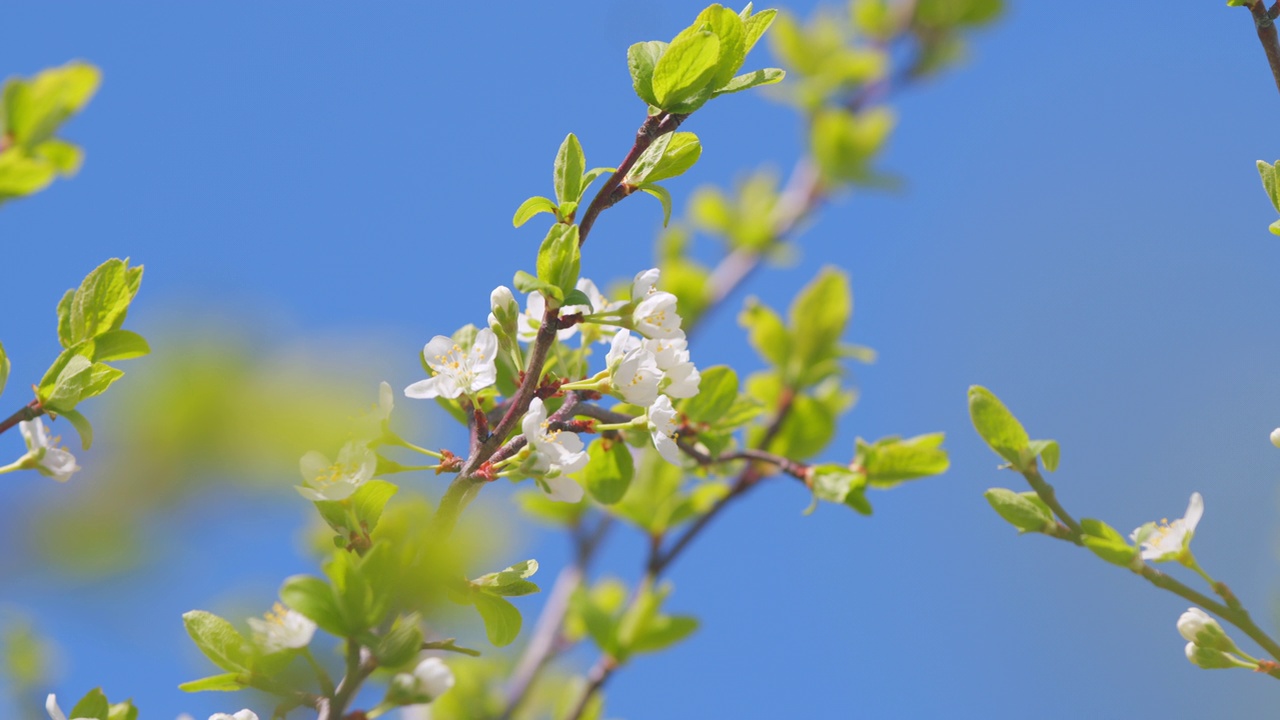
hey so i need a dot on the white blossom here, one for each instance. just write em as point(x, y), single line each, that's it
point(555, 453)
point(662, 428)
point(429, 680)
point(680, 376)
point(1200, 628)
point(415, 712)
point(245, 714)
point(1275, 437)
point(656, 316)
point(42, 450)
point(633, 370)
point(1168, 540)
point(643, 284)
point(283, 629)
point(369, 426)
point(457, 371)
point(531, 319)
point(501, 303)
point(51, 707)
point(338, 480)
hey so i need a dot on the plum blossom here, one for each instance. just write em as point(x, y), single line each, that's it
point(654, 314)
point(531, 319)
point(429, 680)
point(633, 370)
point(283, 629)
point(1169, 540)
point(44, 453)
point(245, 714)
point(338, 480)
point(662, 428)
point(55, 712)
point(457, 371)
point(555, 453)
point(373, 423)
point(680, 376)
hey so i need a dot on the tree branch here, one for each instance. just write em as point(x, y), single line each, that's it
point(653, 127)
point(1264, 22)
point(26, 413)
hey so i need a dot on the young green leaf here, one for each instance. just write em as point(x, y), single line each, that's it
point(4, 369)
point(755, 26)
point(1108, 544)
point(315, 599)
point(663, 197)
point(818, 317)
point(662, 632)
point(401, 643)
point(891, 460)
point(766, 332)
point(93, 705)
point(559, 258)
point(1020, 512)
point(997, 426)
point(526, 283)
point(833, 483)
point(218, 640)
point(511, 582)
point(82, 426)
point(641, 60)
point(716, 394)
point(227, 682)
point(753, 79)
point(609, 470)
point(669, 156)
point(100, 303)
point(532, 207)
point(570, 164)
point(501, 619)
point(368, 501)
point(35, 109)
point(1046, 450)
point(730, 30)
point(685, 70)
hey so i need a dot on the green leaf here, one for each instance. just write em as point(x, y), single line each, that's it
point(891, 460)
point(355, 597)
point(663, 632)
point(609, 470)
point(93, 705)
point(808, 428)
point(669, 156)
point(997, 426)
point(119, 345)
point(1270, 183)
point(716, 394)
point(577, 298)
point(746, 81)
point(663, 197)
point(818, 317)
point(844, 144)
point(1019, 511)
point(227, 682)
point(526, 283)
point(401, 643)
point(64, 157)
point(35, 109)
point(82, 426)
point(1108, 544)
point(570, 164)
point(685, 70)
point(532, 207)
point(101, 302)
point(510, 582)
point(755, 26)
point(369, 499)
point(766, 332)
point(21, 175)
point(314, 598)
point(501, 619)
point(1046, 450)
point(833, 483)
point(731, 33)
point(559, 258)
point(123, 711)
point(218, 640)
point(641, 60)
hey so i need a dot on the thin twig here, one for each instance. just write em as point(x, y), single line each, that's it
point(26, 413)
point(653, 127)
point(1264, 22)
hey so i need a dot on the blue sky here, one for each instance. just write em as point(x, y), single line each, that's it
point(1082, 231)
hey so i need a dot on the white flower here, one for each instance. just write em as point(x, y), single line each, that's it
point(1168, 540)
point(600, 305)
point(680, 376)
point(656, 317)
point(415, 712)
point(457, 371)
point(555, 453)
point(245, 714)
point(44, 452)
point(502, 305)
point(633, 370)
point(430, 679)
point(369, 426)
point(643, 284)
point(1275, 437)
point(531, 319)
point(662, 427)
point(283, 629)
point(339, 480)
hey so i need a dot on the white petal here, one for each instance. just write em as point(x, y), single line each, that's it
point(434, 677)
point(439, 386)
point(667, 448)
point(51, 707)
point(436, 350)
point(1195, 510)
point(643, 283)
point(564, 489)
point(312, 464)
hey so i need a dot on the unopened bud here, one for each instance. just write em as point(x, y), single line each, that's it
point(1275, 437)
point(1210, 659)
point(1197, 626)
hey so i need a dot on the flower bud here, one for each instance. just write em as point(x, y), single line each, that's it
point(1198, 627)
point(431, 679)
point(1275, 437)
point(504, 311)
point(1210, 659)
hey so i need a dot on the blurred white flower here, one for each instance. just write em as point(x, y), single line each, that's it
point(245, 714)
point(283, 629)
point(338, 480)
point(44, 454)
point(1275, 437)
point(429, 680)
point(457, 371)
point(1166, 540)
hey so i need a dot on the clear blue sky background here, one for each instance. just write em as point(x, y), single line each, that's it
point(1083, 231)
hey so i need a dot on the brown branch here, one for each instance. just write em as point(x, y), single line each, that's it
point(654, 127)
point(596, 678)
point(1264, 22)
point(26, 413)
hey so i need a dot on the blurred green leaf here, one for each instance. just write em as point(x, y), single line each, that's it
point(227, 682)
point(218, 640)
point(892, 460)
point(501, 619)
point(609, 470)
point(315, 599)
point(1019, 511)
point(716, 394)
